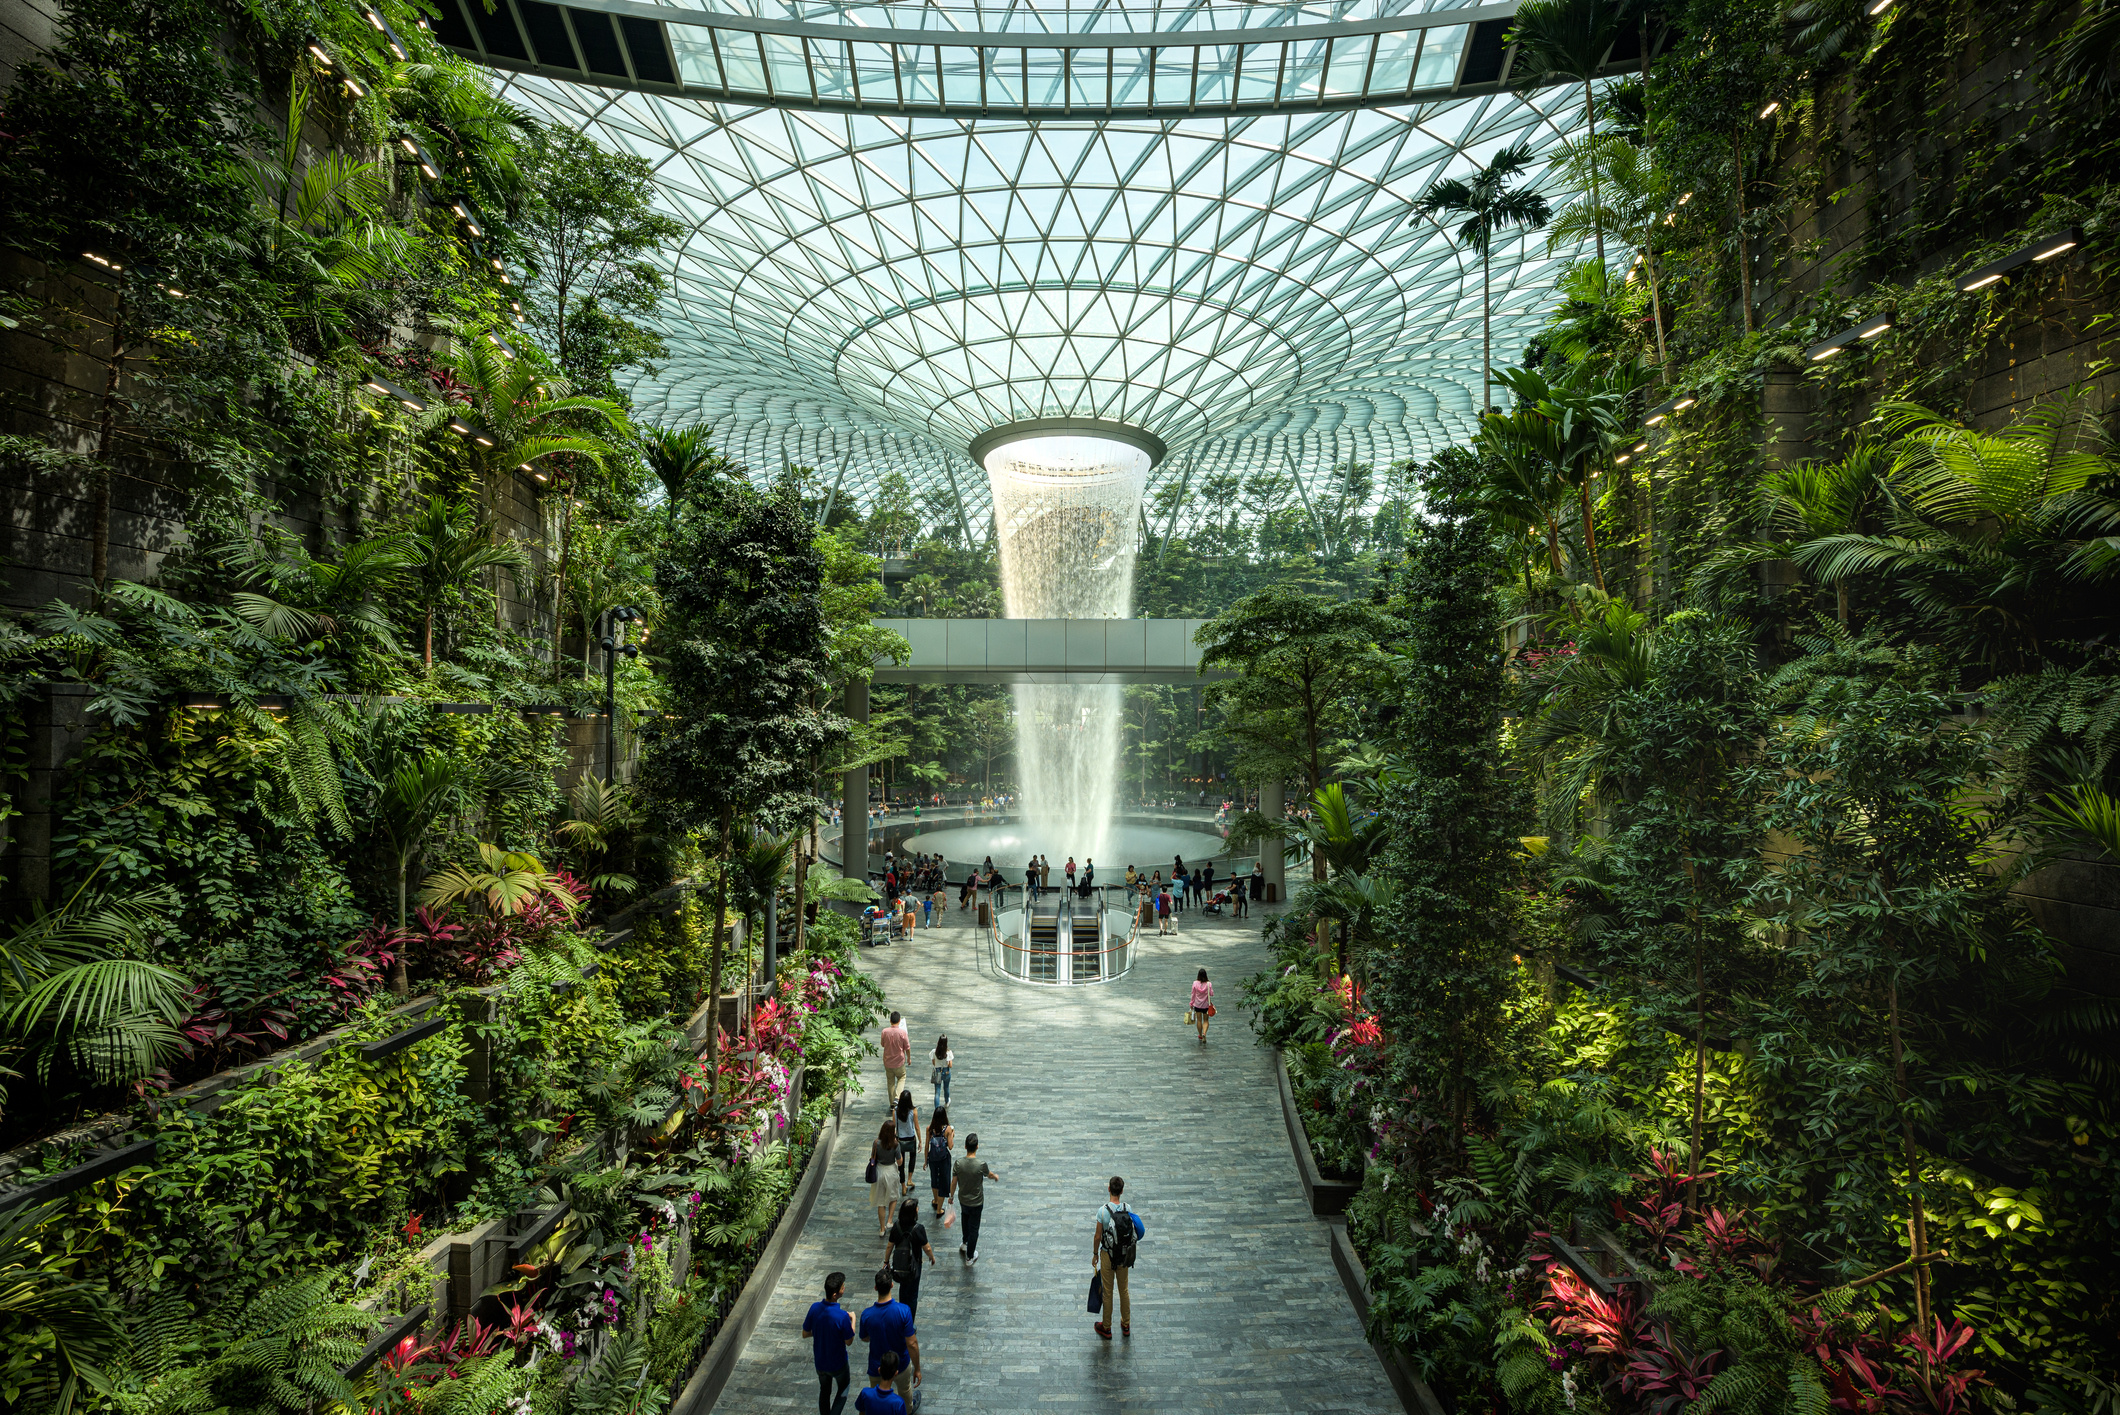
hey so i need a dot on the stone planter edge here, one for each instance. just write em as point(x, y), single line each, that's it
point(1327, 1196)
point(712, 1373)
point(1415, 1394)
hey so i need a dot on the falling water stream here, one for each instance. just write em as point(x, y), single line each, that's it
point(1065, 507)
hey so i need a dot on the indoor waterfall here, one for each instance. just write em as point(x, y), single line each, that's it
point(1065, 507)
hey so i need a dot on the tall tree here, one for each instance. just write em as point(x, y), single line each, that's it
point(1490, 204)
point(448, 548)
point(678, 457)
point(1439, 972)
point(1569, 39)
point(744, 655)
point(591, 236)
point(1296, 657)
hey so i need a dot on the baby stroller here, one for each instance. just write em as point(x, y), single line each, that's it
point(1215, 905)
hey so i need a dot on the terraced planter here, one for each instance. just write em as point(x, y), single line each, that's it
point(1415, 1394)
point(1327, 1196)
point(713, 1371)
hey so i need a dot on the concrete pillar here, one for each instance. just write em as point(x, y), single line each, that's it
point(854, 798)
point(1273, 800)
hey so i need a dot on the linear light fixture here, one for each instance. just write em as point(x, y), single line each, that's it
point(471, 432)
point(1847, 338)
point(1880, 7)
point(321, 57)
point(353, 90)
point(507, 349)
point(382, 26)
point(466, 213)
point(384, 386)
point(204, 702)
point(1771, 109)
point(1670, 408)
point(1622, 459)
point(98, 258)
point(2045, 248)
point(419, 154)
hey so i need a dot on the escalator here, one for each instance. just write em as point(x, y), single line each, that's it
point(1087, 936)
point(1044, 959)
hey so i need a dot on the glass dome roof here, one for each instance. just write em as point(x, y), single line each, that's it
point(867, 291)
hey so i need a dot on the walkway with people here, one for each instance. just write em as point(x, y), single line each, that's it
point(1236, 1305)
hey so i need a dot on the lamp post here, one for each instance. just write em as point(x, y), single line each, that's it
point(614, 646)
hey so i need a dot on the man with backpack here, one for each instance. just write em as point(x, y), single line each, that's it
point(1112, 1247)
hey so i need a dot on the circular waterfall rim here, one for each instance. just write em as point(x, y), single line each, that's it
point(1140, 439)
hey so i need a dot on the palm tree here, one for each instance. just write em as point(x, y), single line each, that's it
point(448, 550)
point(1488, 203)
point(1625, 192)
point(1569, 39)
point(1571, 425)
point(413, 797)
point(1806, 502)
point(76, 1320)
point(676, 456)
point(2002, 541)
point(70, 994)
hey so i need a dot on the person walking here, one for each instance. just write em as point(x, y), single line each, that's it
point(940, 1062)
point(941, 1159)
point(883, 1162)
point(1239, 897)
point(897, 1051)
point(1203, 1003)
point(964, 895)
point(877, 1397)
point(831, 1331)
point(1111, 1252)
point(1163, 923)
point(1030, 881)
point(887, 1327)
point(907, 1241)
point(968, 1187)
point(908, 1122)
point(1133, 885)
point(1180, 882)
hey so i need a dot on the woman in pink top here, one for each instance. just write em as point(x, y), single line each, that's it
point(1203, 1003)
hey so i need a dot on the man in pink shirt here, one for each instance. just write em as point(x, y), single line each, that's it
point(897, 1051)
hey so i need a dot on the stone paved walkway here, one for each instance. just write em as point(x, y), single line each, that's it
point(1236, 1304)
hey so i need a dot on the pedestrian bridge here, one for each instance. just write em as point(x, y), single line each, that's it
point(1085, 651)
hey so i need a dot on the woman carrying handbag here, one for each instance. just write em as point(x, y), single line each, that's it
point(884, 1184)
point(1203, 1004)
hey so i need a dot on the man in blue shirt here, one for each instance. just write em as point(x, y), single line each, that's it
point(887, 1327)
point(831, 1331)
point(877, 1397)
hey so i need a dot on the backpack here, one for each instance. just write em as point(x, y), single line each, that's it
point(1119, 1237)
point(938, 1151)
point(905, 1258)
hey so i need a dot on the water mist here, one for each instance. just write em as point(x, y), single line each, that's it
point(1065, 508)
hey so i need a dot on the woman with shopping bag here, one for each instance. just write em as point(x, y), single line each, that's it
point(1203, 1003)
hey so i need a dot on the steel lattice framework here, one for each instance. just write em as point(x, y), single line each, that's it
point(865, 287)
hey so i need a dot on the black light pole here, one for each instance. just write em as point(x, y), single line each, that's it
point(613, 645)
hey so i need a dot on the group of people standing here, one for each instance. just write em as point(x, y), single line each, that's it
point(904, 1147)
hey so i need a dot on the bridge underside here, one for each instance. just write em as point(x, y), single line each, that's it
point(1085, 651)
